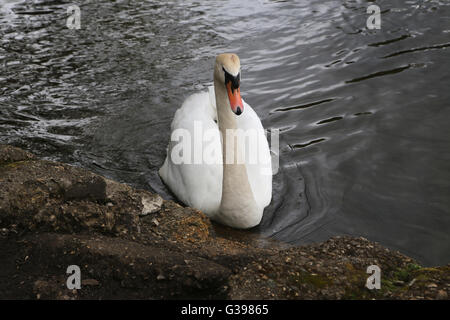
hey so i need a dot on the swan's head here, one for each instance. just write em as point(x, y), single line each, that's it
point(228, 72)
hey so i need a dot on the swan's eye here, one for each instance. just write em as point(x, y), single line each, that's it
point(235, 80)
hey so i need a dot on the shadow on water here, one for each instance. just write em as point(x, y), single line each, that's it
point(363, 114)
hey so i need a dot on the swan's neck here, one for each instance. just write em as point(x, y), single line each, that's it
point(238, 207)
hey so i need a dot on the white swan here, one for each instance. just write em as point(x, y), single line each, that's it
point(227, 189)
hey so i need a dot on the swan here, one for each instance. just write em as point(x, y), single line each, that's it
point(225, 181)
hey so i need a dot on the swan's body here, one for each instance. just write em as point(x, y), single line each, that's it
point(230, 192)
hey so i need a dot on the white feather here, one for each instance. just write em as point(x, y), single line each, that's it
point(200, 185)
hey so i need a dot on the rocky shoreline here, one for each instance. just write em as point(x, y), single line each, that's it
point(132, 244)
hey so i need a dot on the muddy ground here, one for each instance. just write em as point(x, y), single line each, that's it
point(132, 244)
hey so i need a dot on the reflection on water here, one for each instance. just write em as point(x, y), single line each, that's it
point(363, 114)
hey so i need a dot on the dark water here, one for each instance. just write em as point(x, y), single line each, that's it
point(364, 114)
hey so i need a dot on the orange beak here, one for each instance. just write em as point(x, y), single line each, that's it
point(234, 95)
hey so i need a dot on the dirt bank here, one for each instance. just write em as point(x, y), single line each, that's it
point(131, 243)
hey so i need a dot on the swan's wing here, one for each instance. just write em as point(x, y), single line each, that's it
point(258, 159)
point(197, 183)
